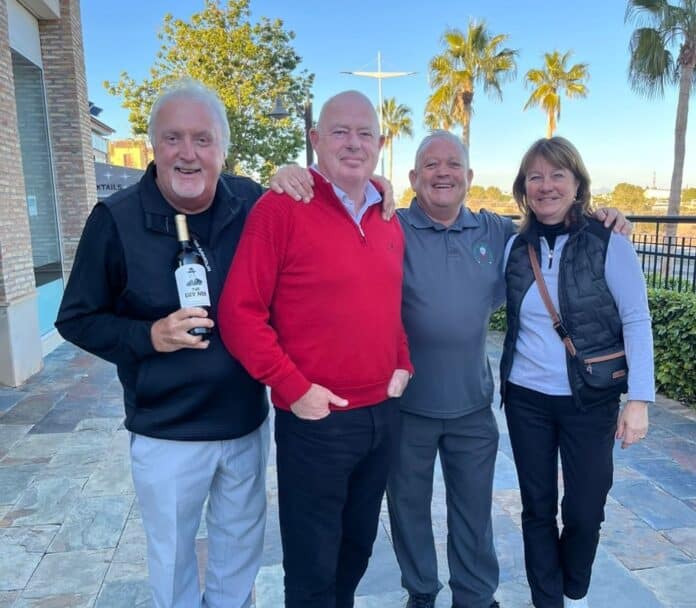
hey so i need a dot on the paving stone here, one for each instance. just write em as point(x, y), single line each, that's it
point(514, 593)
point(44, 502)
point(392, 599)
point(635, 543)
point(269, 587)
point(505, 473)
point(13, 481)
point(671, 477)
point(132, 546)
point(57, 600)
point(681, 451)
point(382, 573)
point(616, 587)
point(77, 573)
point(9, 435)
point(653, 505)
point(684, 538)
point(35, 539)
point(9, 398)
point(125, 594)
point(7, 598)
point(37, 449)
point(31, 409)
point(672, 585)
point(93, 523)
point(16, 566)
point(102, 424)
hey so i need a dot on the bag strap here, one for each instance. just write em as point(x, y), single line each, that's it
point(541, 284)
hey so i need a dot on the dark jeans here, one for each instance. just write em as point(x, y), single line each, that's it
point(540, 427)
point(331, 478)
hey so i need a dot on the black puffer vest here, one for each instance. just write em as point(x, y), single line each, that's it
point(587, 307)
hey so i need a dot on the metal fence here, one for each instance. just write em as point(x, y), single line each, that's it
point(667, 261)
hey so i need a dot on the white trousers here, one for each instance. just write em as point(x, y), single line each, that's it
point(172, 480)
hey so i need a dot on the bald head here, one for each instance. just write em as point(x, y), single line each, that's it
point(347, 142)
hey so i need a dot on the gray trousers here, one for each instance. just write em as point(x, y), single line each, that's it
point(467, 448)
point(172, 481)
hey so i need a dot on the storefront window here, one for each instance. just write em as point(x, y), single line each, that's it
point(39, 187)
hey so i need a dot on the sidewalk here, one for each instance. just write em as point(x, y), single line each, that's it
point(70, 533)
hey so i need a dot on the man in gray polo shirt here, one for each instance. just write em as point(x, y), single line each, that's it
point(453, 280)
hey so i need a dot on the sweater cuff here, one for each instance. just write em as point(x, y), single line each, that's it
point(140, 340)
point(292, 387)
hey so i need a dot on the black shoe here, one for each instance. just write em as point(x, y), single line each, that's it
point(495, 604)
point(420, 600)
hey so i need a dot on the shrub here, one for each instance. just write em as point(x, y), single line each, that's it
point(674, 333)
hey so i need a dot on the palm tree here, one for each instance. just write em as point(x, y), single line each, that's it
point(470, 58)
point(652, 66)
point(396, 121)
point(550, 80)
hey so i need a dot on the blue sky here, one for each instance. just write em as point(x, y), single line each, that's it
point(621, 135)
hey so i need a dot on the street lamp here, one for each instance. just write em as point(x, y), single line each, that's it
point(278, 112)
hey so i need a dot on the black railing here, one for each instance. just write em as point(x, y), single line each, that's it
point(668, 261)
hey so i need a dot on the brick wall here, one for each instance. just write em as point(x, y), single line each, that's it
point(16, 266)
point(68, 118)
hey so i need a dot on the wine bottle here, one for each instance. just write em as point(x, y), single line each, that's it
point(190, 274)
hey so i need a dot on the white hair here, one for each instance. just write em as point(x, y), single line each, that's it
point(448, 136)
point(192, 90)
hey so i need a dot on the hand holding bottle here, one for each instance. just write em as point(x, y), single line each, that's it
point(172, 332)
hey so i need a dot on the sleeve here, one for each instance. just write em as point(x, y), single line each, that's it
point(244, 308)
point(508, 230)
point(627, 285)
point(87, 314)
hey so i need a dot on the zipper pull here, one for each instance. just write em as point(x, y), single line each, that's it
point(550, 257)
point(588, 367)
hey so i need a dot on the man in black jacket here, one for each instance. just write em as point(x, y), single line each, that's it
point(198, 421)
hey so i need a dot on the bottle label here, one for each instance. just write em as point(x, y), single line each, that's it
point(192, 285)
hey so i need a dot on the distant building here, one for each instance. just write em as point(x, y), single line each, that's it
point(100, 134)
point(133, 153)
point(48, 184)
point(659, 197)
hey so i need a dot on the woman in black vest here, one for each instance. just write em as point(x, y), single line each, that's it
point(568, 356)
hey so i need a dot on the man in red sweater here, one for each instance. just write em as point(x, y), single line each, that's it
point(312, 308)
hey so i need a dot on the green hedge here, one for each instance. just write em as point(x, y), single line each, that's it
point(674, 334)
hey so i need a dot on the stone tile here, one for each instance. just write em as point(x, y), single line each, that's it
point(635, 543)
point(392, 599)
point(125, 594)
point(14, 480)
point(35, 539)
point(78, 573)
point(37, 449)
point(8, 398)
point(613, 585)
point(7, 598)
point(684, 538)
point(671, 477)
point(32, 408)
point(269, 587)
point(105, 425)
point(123, 571)
point(505, 474)
point(382, 573)
point(113, 475)
point(16, 566)
point(625, 472)
point(9, 435)
point(681, 451)
point(57, 600)
point(653, 505)
point(132, 546)
point(93, 523)
point(514, 594)
point(44, 502)
point(673, 585)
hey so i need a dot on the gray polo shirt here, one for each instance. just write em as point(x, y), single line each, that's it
point(453, 280)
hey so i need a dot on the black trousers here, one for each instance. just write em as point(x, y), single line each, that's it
point(540, 427)
point(331, 478)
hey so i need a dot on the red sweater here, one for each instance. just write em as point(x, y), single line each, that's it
point(313, 298)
